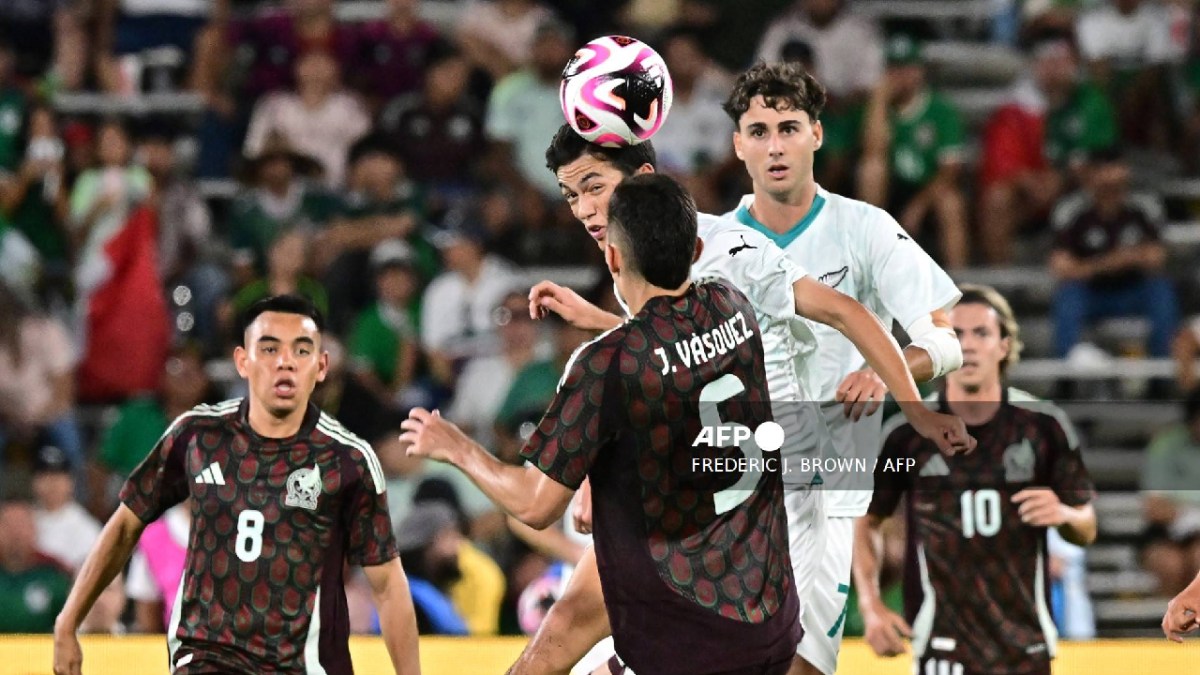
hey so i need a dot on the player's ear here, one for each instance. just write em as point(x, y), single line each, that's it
point(699, 249)
point(322, 365)
point(645, 168)
point(737, 145)
point(818, 134)
point(240, 356)
point(1005, 347)
point(612, 259)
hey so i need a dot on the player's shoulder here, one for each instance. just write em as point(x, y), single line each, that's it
point(597, 353)
point(855, 215)
point(1045, 411)
point(716, 231)
point(358, 450)
point(206, 416)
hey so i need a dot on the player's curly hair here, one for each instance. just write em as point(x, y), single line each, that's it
point(783, 86)
point(978, 294)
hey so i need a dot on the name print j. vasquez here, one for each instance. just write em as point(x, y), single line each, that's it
point(708, 345)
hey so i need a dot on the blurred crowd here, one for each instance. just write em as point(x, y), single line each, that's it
point(391, 169)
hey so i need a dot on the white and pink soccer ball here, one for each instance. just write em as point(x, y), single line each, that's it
point(616, 91)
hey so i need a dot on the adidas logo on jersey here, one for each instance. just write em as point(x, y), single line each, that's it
point(212, 475)
point(935, 467)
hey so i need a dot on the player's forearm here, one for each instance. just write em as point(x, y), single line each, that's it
point(878, 347)
point(1080, 525)
point(601, 320)
point(397, 619)
point(513, 488)
point(868, 551)
point(103, 564)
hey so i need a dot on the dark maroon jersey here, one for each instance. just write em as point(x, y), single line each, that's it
point(273, 521)
point(696, 578)
point(976, 590)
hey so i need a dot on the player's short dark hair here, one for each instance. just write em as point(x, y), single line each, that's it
point(783, 86)
point(652, 219)
point(284, 304)
point(978, 294)
point(568, 146)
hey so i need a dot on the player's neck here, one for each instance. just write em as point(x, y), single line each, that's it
point(976, 406)
point(269, 426)
point(781, 213)
point(638, 293)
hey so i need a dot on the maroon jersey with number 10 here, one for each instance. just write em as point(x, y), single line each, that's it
point(273, 522)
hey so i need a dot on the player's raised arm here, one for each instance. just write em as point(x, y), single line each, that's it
point(103, 564)
point(523, 492)
point(547, 296)
point(818, 302)
point(397, 619)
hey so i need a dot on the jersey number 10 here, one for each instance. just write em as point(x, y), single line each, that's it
point(980, 513)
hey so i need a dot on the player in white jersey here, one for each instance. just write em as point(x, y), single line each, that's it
point(863, 252)
point(782, 294)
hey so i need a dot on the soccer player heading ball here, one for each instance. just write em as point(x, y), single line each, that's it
point(282, 497)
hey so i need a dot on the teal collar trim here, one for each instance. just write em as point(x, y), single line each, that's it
point(782, 240)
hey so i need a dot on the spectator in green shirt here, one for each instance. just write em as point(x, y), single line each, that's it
point(33, 196)
point(913, 153)
point(384, 344)
point(33, 587)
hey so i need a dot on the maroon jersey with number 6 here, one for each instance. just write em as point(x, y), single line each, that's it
point(976, 577)
point(273, 522)
point(696, 576)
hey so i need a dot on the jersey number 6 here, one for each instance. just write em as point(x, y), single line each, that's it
point(719, 390)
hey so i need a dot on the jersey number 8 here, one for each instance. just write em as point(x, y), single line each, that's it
point(249, 535)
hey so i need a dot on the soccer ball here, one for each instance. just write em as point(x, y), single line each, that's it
point(616, 91)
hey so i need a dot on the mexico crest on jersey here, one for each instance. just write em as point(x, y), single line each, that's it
point(1019, 461)
point(303, 488)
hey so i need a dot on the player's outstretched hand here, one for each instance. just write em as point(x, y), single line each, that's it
point(547, 296)
point(1040, 507)
point(948, 432)
point(431, 435)
point(581, 512)
point(1183, 612)
point(861, 393)
point(68, 655)
point(885, 631)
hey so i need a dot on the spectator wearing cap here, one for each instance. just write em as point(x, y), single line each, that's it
point(287, 266)
point(33, 586)
point(1034, 145)
point(65, 530)
point(318, 118)
point(1170, 502)
point(282, 195)
point(499, 36)
point(456, 308)
point(486, 378)
point(523, 112)
point(382, 204)
point(913, 153)
point(479, 592)
point(428, 540)
point(438, 129)
point(1108, 258)
point(384, 345)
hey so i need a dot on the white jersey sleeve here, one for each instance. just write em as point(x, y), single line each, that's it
point(751, 262)
point(907, 283)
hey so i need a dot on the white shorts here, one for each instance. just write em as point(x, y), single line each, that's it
point(806, 525)
point(600, 655)
point(824, 609)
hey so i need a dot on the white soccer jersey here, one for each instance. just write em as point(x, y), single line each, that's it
point(863, 252)
point(762, 271)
